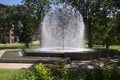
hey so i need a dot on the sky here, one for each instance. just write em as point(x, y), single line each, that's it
point(10, 2)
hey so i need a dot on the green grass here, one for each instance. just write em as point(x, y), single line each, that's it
point(34, 46)
point(113, 47)
point(21, 46)
point(9, 74)
point(116, 47)
point(18, 46)
point(98, 47)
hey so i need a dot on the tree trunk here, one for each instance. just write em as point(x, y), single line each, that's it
point(107, 46)
point(107, 43)
point(40, 35)
point(26, 45)
point(89, 35)
point(103, 43)
point(89, 41)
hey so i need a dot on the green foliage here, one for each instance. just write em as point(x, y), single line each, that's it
point(91, 12)
point(25, 18)
point(59, 71)
point(32, 13)
point(4, 39)
point(111, 71)
point(94, 74)
point(112, 65)
point(100, 20)
point(42, 72)
point(77, 75)
point(26, 35)
point(6, 21)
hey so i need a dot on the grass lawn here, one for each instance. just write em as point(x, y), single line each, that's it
point(18, 46)
point(9, 74)
point(114, 47)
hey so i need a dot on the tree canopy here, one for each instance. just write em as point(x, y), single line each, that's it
point(101, 18)
point(26, 18)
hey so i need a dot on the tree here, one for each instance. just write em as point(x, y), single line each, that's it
point(117, 30)
point(6, 22)
point(89, 10)
point(108, 26)
point(28, 17)
point(24, 24)
point(96, 17)
point(34, 11)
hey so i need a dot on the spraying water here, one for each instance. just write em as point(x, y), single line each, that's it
point(62, 28)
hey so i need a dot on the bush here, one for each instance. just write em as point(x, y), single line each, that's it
point(42, 72)
point(57, 71)
point(77, 75)
point(112, 65)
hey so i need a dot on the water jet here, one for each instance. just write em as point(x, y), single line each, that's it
point(61, 33)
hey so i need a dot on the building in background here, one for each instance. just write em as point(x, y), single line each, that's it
point(2, 6)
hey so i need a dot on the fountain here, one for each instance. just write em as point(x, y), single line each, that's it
point(62, 30)
point(61, 33)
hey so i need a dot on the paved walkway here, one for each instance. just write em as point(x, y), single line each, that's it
point(87, 64)
point(15, 65)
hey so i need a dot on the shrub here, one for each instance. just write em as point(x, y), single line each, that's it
point(42, 72)
point(77, 75)
point(112, 65)
point(57, 71)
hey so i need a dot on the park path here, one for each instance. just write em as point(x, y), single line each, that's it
point(15, 65)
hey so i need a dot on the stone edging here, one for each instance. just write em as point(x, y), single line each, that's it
point(1, 52)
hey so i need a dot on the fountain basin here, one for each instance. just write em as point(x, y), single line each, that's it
point(72, 54)
point(35, 56)
point(17, 56)
point(61, 50)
